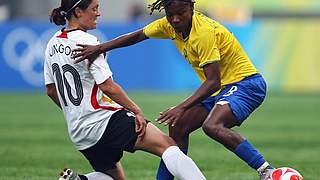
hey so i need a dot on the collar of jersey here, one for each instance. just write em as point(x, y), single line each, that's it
point(63, 30)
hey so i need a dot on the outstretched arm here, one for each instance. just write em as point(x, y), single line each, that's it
point(123, 41)
point(92, 52)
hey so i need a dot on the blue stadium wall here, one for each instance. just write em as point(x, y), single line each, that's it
point(281, 50)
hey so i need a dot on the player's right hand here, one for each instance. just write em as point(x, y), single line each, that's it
point(171, 115)
point(86, 52)
point(141, 125)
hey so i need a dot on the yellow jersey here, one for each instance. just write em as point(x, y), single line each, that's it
point(207, 42)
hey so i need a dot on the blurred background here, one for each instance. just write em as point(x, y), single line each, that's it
point(280, 37)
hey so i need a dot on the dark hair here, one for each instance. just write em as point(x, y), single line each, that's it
point(60, 15)
point(160, 4)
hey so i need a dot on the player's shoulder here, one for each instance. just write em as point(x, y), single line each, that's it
point(206, 27)
point(83, 37)
point(56, 34)
point(205, 23)
point(78, 36)
point(53, 38)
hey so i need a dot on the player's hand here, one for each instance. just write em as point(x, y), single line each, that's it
point(140, 125)
point(86, 52)
point(170, 116)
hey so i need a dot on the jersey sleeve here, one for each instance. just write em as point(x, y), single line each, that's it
point(207, 48)
point(157, 29)
point(99, 69)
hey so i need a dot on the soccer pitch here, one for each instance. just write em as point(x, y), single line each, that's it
point(34, 144)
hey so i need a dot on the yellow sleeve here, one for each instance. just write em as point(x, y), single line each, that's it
point(208, 50)
point(157, 29)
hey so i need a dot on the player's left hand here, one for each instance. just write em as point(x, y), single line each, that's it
point(171, 116)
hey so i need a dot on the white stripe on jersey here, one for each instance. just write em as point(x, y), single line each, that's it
point(86, 109)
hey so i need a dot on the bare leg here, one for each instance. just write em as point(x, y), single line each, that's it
point(163, 146)
point(218, 124)
point(192, 120)
point(154, 141)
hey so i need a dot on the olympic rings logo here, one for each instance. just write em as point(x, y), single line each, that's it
point(24, 50)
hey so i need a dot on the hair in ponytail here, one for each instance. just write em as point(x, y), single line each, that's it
point(60, 15)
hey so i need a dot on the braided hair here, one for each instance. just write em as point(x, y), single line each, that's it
point(160, 4)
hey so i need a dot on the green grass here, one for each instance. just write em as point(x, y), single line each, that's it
point(34, 144)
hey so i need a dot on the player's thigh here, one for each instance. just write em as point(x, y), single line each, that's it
point(237, 101)
point(221, 115)
point(192, 119)
point(154, 141)
point(117, 173)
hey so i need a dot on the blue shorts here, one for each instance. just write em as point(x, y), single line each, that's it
point(243, 97)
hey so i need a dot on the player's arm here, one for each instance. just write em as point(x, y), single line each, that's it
point(209, 61)
point(92, 52)
point(117, 94)
point(207, 88)
point(52, 93)
point(123, 41)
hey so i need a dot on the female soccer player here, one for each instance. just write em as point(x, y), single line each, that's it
point(231, 86)
point(102, 120)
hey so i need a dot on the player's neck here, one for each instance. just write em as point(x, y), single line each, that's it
point(74, 25)
point(188, 30)
point(185, 32)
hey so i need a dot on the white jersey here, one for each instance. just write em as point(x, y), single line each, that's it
point(86, 109)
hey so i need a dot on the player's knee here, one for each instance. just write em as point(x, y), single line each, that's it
point(170, 141)
point(211, 130)
point(165, 143)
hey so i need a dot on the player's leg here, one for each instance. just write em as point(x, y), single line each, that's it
point(218, 125)
point(116, 173)
point(105, 162)
point(157, 143)
point(68, 174)
point(191, 120)
point(234, 105)
point(105, 155)
point(111, 174)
